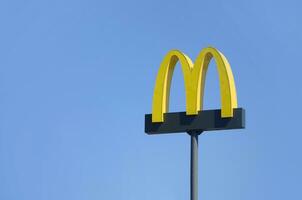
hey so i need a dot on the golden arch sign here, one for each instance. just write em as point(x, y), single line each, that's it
point(195, 118)
point(194, 78)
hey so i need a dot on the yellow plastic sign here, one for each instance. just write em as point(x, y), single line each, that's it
point(194, 78)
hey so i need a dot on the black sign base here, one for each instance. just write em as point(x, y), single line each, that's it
point(206, 120)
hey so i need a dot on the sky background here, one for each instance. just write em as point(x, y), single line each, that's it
point(77, 77)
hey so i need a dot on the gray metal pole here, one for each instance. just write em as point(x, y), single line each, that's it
point(194, 165)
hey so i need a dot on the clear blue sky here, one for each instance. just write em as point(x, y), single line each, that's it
point(76, 78)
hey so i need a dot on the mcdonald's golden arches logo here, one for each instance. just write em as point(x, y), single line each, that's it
point(194, 78)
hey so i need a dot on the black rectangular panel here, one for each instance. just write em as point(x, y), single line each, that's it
point(207, 120)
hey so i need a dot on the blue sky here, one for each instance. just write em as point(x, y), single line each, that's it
point(77, 77)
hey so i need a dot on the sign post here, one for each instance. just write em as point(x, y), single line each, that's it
point(194, 165)
point(195, 120)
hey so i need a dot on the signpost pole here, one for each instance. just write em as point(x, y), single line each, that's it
point(194, 165)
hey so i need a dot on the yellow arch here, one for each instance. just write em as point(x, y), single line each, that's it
point(194, 78)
